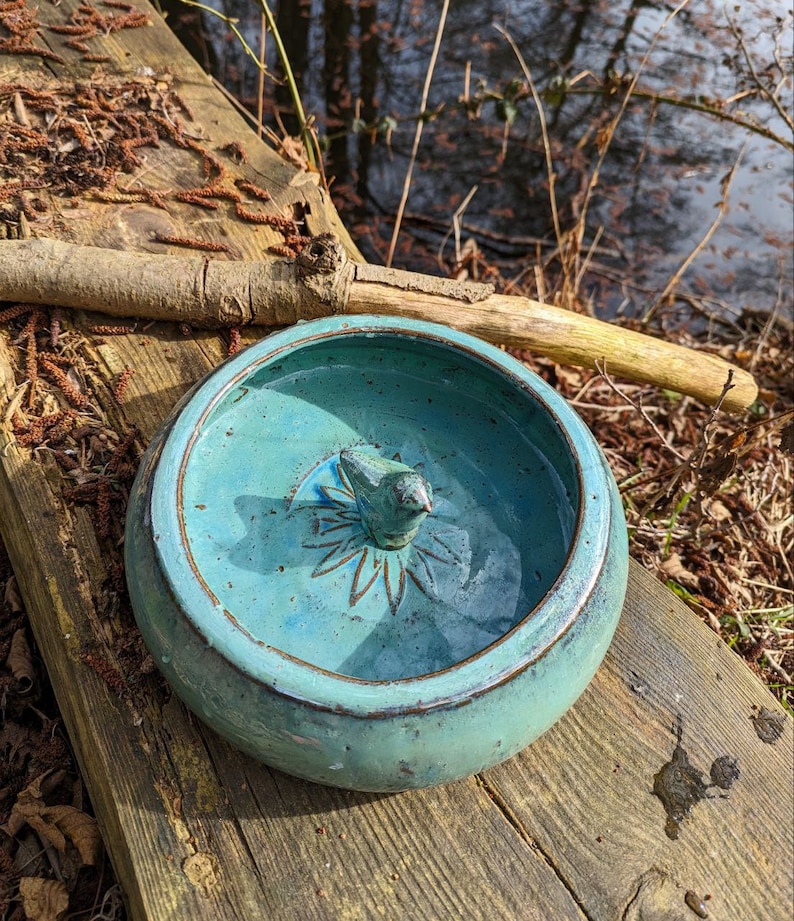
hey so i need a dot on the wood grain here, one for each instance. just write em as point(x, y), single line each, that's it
point(571, 338)
point(567, 830)
point(153, 57)
point(585, 788)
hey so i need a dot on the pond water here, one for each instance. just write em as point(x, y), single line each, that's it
point(665, 172)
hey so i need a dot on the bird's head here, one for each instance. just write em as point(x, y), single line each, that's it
point(413, 494)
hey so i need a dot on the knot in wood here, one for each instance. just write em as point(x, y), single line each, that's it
point(325, 275)
point(323, 256)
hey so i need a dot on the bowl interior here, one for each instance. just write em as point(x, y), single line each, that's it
point(271, 527)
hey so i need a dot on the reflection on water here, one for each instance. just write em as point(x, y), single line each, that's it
point(362, 66)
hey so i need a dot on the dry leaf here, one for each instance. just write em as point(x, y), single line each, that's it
point(719, 511)
point(43, 899)
point(674, 569)
point(293, 150)
point(80, 829)
point(571, 377)
point(30, 859)
point(40, 786)
point(20, 661)
point(713, 472)
point(55, 824)
point(11, 596)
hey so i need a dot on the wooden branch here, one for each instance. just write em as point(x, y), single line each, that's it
point(203, 292)
point(322, 281)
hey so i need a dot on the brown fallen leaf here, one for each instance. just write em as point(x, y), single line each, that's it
point(674, 569)
point(55, 825)
point(718, 511)
point(81, 829)
point(20, 661)
point(41, 786)
point(43, 899)
point(11, 596)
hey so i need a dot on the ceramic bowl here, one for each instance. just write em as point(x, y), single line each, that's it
point(282, 623)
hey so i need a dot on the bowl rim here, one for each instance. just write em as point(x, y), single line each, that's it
point(525, 643)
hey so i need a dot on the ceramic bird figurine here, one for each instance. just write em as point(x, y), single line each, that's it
point(392, 498)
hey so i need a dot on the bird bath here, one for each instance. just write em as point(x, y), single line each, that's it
point(268, 582)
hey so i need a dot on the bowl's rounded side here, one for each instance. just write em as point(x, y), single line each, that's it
point(399, 734)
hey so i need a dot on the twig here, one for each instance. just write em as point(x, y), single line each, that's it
point(777, 668)
point(637, 404)
point(418, 133)
point(694, 464)
point(762, 88)
point(249, 116)
point(769, 325)
point(230, 22)
point(693, 105)
point(591, 251)
point(455, 229)
point(721, 211)
point(260, 93)
point(551, 175)
point(289, 76)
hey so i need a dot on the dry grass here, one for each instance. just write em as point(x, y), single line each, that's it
point(707, 496)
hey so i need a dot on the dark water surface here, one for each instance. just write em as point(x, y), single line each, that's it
point(362, 66)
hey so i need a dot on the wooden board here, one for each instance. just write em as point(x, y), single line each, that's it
point(152, 59)
point(568, 829)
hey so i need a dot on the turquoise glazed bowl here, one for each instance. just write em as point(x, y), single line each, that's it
point(271, 604)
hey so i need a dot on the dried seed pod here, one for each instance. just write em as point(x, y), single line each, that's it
point(72, 394)
point(15, 310)
point(234, 341)
point(106, 330)
point(121, 384)
point(107, 672)
point(104, 495)
point(245, 186)
point(207, 245)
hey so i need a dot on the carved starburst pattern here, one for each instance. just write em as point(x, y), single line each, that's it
point(339, 533)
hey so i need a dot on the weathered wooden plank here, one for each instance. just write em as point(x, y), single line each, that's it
point(584, 791)
point(152, 58)
point(569, 829)
point(444, 852)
